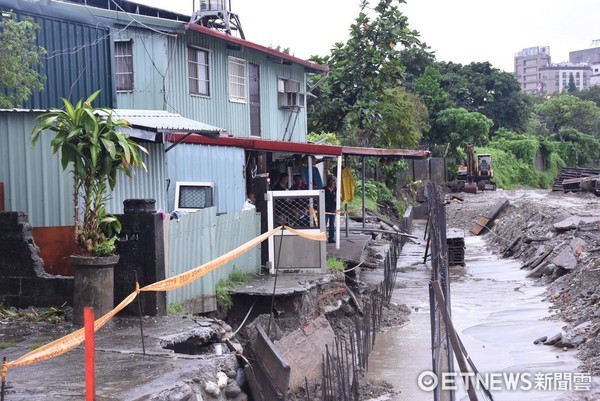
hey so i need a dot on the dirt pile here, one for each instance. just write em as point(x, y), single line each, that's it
point(557, 237)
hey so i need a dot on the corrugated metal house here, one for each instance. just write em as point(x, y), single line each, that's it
point(153, 65)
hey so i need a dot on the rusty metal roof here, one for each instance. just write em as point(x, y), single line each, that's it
point(400, 153)
point(308, 66)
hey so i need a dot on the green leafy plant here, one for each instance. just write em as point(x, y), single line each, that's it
point(335, 264)
point(224, 301)
point(175, 308)
point(94, 149)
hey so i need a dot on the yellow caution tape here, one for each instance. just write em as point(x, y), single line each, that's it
point(73, 340)
point(300, 233)
point(191, 275)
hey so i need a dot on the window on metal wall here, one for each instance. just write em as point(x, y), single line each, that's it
point(198, 70)
point(192, 196)
point(237, 79)
point(124, 65)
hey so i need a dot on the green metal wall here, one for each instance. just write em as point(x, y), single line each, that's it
point(201, 237)
point(161, 82)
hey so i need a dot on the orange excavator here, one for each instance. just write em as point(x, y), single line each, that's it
point(477, 174)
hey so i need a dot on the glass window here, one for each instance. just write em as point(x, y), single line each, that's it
point(237, 79)
point(199, 72)
point(124, 65)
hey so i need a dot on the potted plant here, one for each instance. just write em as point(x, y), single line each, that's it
point(95, 151)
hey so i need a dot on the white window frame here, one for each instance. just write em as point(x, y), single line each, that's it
point(129, 64)
point(237, 83)
point(198, 65)
point(180, 184)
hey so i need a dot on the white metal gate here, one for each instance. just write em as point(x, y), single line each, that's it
point(301, 210)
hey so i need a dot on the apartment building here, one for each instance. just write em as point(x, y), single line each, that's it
point(555, 78)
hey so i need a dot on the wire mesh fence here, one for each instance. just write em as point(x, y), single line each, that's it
point(296, 211)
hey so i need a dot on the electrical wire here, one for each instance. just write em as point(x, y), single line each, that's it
point(141, 23)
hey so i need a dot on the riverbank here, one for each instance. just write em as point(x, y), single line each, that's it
point(557, 237)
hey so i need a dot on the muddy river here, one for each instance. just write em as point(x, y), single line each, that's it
point(498, 313)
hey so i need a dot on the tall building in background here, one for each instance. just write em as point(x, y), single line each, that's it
point(527, 68)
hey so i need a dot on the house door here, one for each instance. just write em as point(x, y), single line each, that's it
point(254, 100)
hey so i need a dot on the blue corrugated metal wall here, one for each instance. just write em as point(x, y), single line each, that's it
point(34, 181)
point(150, 184)
point(219, 164)
point(78, 59)
point(201, 237)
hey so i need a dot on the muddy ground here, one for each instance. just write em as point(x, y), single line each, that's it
point(557, 237)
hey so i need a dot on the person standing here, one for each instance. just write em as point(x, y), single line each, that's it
point(330, 210)
point(282, 183)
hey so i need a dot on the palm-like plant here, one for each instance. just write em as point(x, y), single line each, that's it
point(91, 144)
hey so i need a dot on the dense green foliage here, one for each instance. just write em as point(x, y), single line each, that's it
point(386, 89)
point(19, 58)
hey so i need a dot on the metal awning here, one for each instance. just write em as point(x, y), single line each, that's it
point(263, 145)
point(148, 124)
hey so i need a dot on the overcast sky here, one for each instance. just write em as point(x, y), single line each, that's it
point(461, 31)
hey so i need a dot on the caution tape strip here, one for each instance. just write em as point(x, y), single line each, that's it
point(73, 340)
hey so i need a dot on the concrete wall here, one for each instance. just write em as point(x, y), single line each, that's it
point(23, 281)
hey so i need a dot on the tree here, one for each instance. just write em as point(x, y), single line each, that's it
point(572, 88)
point(593, 94)
point(458, 127)
point(360, 70)
point(19, 57)
point(567, 111)
point(404, 119)
point(482, 88)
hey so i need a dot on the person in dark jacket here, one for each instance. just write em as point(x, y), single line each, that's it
point(330, 210)
point(282, 183)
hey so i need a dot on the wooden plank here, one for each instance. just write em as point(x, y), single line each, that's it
point(480, 224)
point(484, 222)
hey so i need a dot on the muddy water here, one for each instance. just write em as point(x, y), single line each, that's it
point(497, 311)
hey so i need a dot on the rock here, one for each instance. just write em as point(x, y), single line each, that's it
point(571, 223)
point(570, 340)
point(184, 393)
point(565, 259)
point(549, 269)
point(577, 242)
point(232, 390)
point(212, 389)
point(231, 374)
point(540, 340)
point(553, 340)
point(221, 380)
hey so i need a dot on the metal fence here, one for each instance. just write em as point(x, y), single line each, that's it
point(346, 359)
point(200, 237)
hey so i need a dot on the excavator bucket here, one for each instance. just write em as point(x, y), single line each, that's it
point(470, 187)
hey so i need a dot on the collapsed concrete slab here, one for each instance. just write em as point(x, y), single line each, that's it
point(303, 349)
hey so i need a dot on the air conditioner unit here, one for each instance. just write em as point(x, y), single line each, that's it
point(291, 100)
point(291, 86)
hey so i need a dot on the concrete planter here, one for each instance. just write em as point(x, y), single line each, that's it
point(93, 285)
